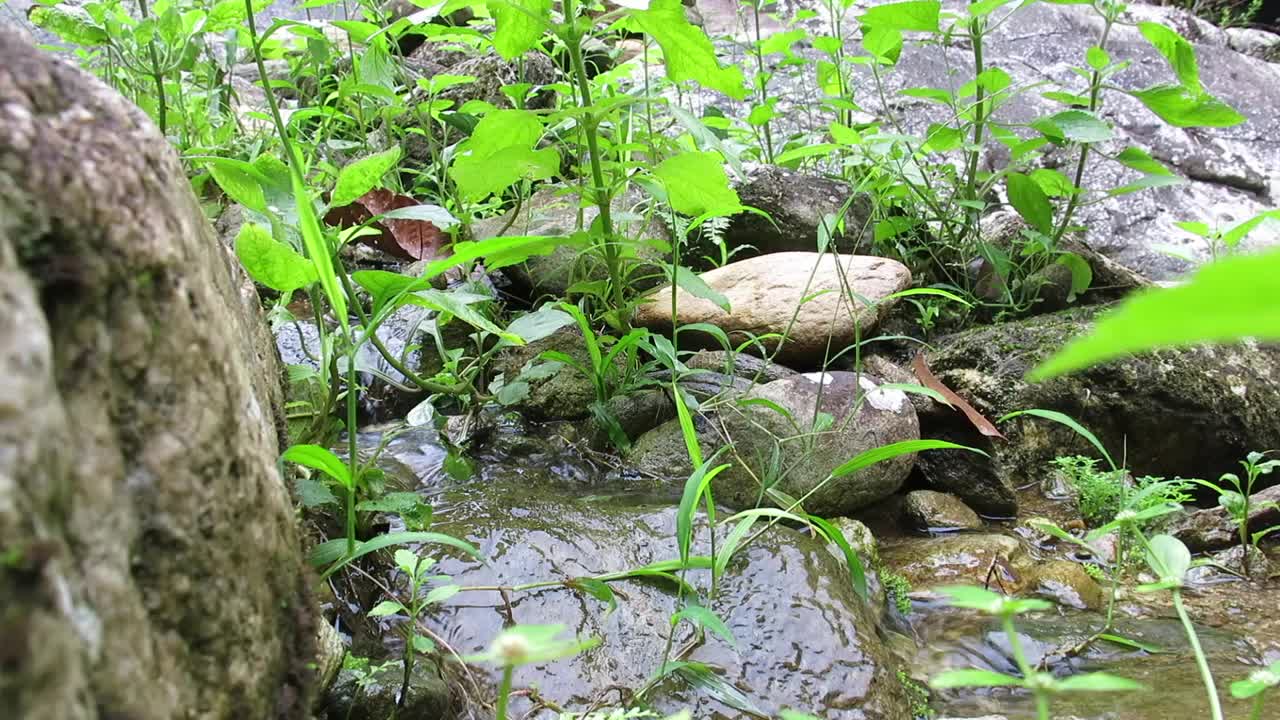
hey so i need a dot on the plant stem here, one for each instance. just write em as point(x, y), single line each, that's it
point(353, 456)
point(1256, 712)
point(504, 692)
point(761, 81)
point(1095, 90)
point(161, 107)
point(573, 39)
point(1215, 706)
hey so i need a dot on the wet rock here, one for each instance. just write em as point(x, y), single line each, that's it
point(932, 510)
point(330, 653)
point(371, 691)
point(998, 561)
point(1255, 43)
point(1192, 413)
point(636, 413)
point(153, 563)
point(1066, 583)
point(855, 414)
point(1214, 528)
point(783, 587)
point(491, 74)
point(747, 367)
point(797, 204)
point(1232, 559)
point(764, 294)
point(554, 210)
point(548, 389)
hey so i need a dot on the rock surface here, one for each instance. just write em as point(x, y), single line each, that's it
point(998, 561)
point(769, 446)
point(155, 570)
point(782, 588)
point(1192, 413)
point(932, 510)
point(1214, 529)
point(765, 292)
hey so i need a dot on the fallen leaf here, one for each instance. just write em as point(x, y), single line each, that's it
point(401, 238)
point(927, 379)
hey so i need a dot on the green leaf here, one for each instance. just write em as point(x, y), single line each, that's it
point(396, 538)
point(596, 589)
point(1138, 159)
point(686, 50)
point(1030, 201)
point(884, 43)
point(362, 176)
point(1097, 57)
point(1168, 558)
point(687, 430)
point(1082, 126)
point(442, 593)
point(1081, 273)
point(520, 25)
point(731, 543)
point(695, 488)
point(1176, 50)
point(1258, 682)
point(917, 15)
point(70, 23)
point(1098, 682)
point(696, 184)
point(1183, 107)
point(1053, 183)
point(702, 677)
point(387, 607)
point(973, 678)
point(322, 459)
point(480, 175)
point(531, 645)
point(707, 620)
point(312, 493)
point(539, 324)
point(1226, 301)
point(271, 262)
point(870, 457)
point(1130, 643)
point(240, 181)
point(692, 283)
point(781, 42)
point(1070, 422)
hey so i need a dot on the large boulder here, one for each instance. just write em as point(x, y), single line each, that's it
point(790, 434)
point(1194, 412)
point(1232, 173)
point(804, 640)
point(809, 297)
point(153, 568)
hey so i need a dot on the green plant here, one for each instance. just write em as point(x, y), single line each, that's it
point(1256, 687)
point(1041, 685)
point(1101, 494)
point(897, 590)
point(1235, 496)
point(917, 696)
point(415, 570)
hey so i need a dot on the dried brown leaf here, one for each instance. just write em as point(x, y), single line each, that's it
point(405, 239)
point(926, 377)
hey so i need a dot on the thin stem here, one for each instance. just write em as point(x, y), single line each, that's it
point(761, 80)
point(156, 74)
point(1042, 705)
point(504, 692)
point(612, 259)
point(1206, 676)
point(353, 456)
point(1256, 712)
point(976, 31)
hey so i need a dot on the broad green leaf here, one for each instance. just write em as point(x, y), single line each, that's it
point(707, 620)
point(1098, 682)
point(362, 176)
point(1030, 201)
point(322, 459)
point(531, 645)
point(1226, 301)
point(1140, 160)
point(1070, 422)
point(781, 42)
point(70, 23)
point(1258, 682)
point(1097, 57)
point(917, 15)
point(240, 181)
point(686, 49)
point(870, 457)
point(501, 151)
point(450, 303)
point(313, 493)
point(520, 25)
point(972, 678)
point(433, 214)
point(884, 43)
point(442, 593)
point(271, 262)
point(1081, 273)
point(696, 184)
point(387, 607)
point(1233, 235)
point(1082, 126)
point(692, 283)
point(539, 324)
point(1168, 558)
point(500, 252)
point(1176, 50)
point(596, 589)
point(1053, 183)
point(1183, 107)
point(927, 93)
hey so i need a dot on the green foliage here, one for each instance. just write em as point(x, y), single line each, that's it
point(1102, 494)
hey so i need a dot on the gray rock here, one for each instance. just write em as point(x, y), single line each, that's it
point(932, 510)
point(797, 204)
point(1190, 413)
point(783, 588)
point(747, 367)
point(763, 444)
point(998, 561)
point(1214, 529)
point(1067, 584)
point(554, 210)
point(154, 565)
point(551, 391)
point(373, 691)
